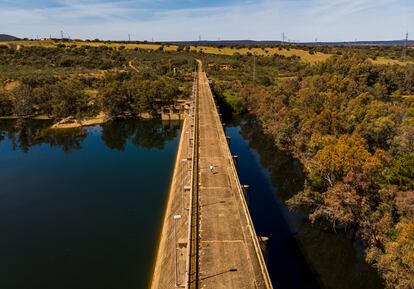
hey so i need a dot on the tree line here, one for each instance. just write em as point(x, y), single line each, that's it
point(351, 124)
point(84, 81)
point(117, 94)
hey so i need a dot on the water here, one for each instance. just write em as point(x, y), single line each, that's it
point(82, 209)
point(301, 255)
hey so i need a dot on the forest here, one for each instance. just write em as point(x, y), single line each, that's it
point(84, 81)
point(350, 123)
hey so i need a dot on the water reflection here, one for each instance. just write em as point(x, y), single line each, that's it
point(89, 218)
point(146, 134)
point(24, 134)
point(301, 254)
point(286, 173)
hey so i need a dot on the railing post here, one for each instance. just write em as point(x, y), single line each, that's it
point(264, 245)
point(235, 160)
point(245, 191)
point(176, 217)
point(187, 189)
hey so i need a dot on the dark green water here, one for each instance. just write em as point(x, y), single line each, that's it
point(301, 255)
point(82, 209)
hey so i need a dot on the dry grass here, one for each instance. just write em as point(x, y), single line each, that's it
point(148, 46)
point(43, 43)
point(50, 44)
point(11, 85)
point(384, 61)
point(408, 97)
point(91, 92)
point(287, 52)
point(304, 55)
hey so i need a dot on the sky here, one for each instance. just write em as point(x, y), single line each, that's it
point(169, 20)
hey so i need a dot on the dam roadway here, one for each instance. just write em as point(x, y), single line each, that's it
point(209, 240)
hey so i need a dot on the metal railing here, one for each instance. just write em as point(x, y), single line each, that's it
point(192, 247)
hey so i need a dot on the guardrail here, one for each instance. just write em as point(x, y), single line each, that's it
point(191, 280)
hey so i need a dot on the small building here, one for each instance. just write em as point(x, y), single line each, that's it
point(177, 111)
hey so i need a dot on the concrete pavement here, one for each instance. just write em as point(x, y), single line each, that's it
point(229, 257)
point(227, 252)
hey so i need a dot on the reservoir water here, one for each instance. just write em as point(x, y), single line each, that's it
point(300, 255)
point(82, 208)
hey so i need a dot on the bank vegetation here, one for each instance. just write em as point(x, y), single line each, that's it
point(82, 82)
point(351, 125)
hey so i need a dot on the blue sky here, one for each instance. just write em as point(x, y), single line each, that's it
point(300, 20)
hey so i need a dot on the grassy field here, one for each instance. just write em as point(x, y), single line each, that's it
point(50, 43)
point(383, 60)
point(287, 52)
point(304, 55)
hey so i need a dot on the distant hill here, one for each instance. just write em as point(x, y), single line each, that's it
point(225, 43)
point(248, 43)
point(5, 37)
point(366, 43)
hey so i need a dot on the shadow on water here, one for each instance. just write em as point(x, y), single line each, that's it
point(300, 255)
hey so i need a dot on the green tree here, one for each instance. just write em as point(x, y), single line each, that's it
point(6, 104)
point(23, 100)
point(68, 99)
point(401, 173)
point(116, 100)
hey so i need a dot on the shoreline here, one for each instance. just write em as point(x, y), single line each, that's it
point(15, 117)
point(71, 122)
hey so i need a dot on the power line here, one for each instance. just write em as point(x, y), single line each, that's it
point(404, 52)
